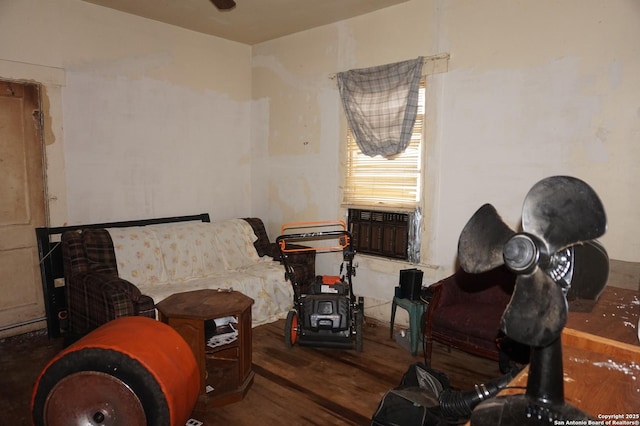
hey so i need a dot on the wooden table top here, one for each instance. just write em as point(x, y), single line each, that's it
point(614, 316)
point(601, 376)
point(204, 304)
point(601, 357)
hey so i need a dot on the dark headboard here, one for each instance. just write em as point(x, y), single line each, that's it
point(51, 266)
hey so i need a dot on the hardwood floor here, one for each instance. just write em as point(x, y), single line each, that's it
point(292, 386)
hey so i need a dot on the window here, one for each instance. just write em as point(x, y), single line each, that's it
point(386, 183)
point(383, 196)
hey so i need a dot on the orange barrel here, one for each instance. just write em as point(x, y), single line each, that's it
point(131, 371)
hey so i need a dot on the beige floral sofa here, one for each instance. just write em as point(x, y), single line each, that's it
point(119, 271)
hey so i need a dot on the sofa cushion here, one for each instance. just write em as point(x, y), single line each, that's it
point(277, 298)
point(190, 250)
point(235, 238)
point(211, 258)
point(138, 255)
point(263, 282)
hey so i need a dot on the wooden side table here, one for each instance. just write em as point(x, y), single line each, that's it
point(227, 368)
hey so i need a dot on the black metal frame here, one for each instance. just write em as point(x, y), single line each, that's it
point(52, 268)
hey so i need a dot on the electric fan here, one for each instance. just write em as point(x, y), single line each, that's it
point(555, 255)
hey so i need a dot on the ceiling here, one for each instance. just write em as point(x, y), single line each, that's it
point(251, 21)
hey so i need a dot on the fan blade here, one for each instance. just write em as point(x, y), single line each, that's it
point(590, 272)
point(481, 241)
point(562, 211)
point(537, 311)
point(224, 4)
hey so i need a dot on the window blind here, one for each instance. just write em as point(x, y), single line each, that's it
point(386, 182)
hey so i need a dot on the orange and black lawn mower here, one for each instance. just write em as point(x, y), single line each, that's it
point(325, 312)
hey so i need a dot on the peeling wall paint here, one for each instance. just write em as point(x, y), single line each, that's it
point(147, 148)
point(156, 118)
point(533, 89)
point(167, 121)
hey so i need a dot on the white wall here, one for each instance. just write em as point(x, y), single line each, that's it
point(533, 89)
point(147, 120)
point(156, 118)
point(537, 89)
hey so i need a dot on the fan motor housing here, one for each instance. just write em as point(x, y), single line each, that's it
point(523, 252)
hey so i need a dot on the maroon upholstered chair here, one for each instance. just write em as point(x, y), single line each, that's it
point(465, 311)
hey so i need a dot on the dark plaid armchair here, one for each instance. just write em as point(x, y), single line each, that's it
point(95, 293)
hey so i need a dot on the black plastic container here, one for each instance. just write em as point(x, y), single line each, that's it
point(411, 283)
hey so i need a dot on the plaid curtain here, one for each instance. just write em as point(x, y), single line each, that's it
point(381, 104)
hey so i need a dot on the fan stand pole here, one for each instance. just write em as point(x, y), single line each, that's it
point(542, 403)
point(545, 381)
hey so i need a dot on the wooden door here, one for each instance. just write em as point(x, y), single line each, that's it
point(22, 207)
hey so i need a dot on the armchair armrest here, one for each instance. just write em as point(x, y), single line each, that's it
point(436, 296)
point(113, 287)
point(120, 298)
point(303, 263)
point(95, 298)
point(273, 251)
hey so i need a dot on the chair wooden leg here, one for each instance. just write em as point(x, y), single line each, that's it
point(427, 350)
